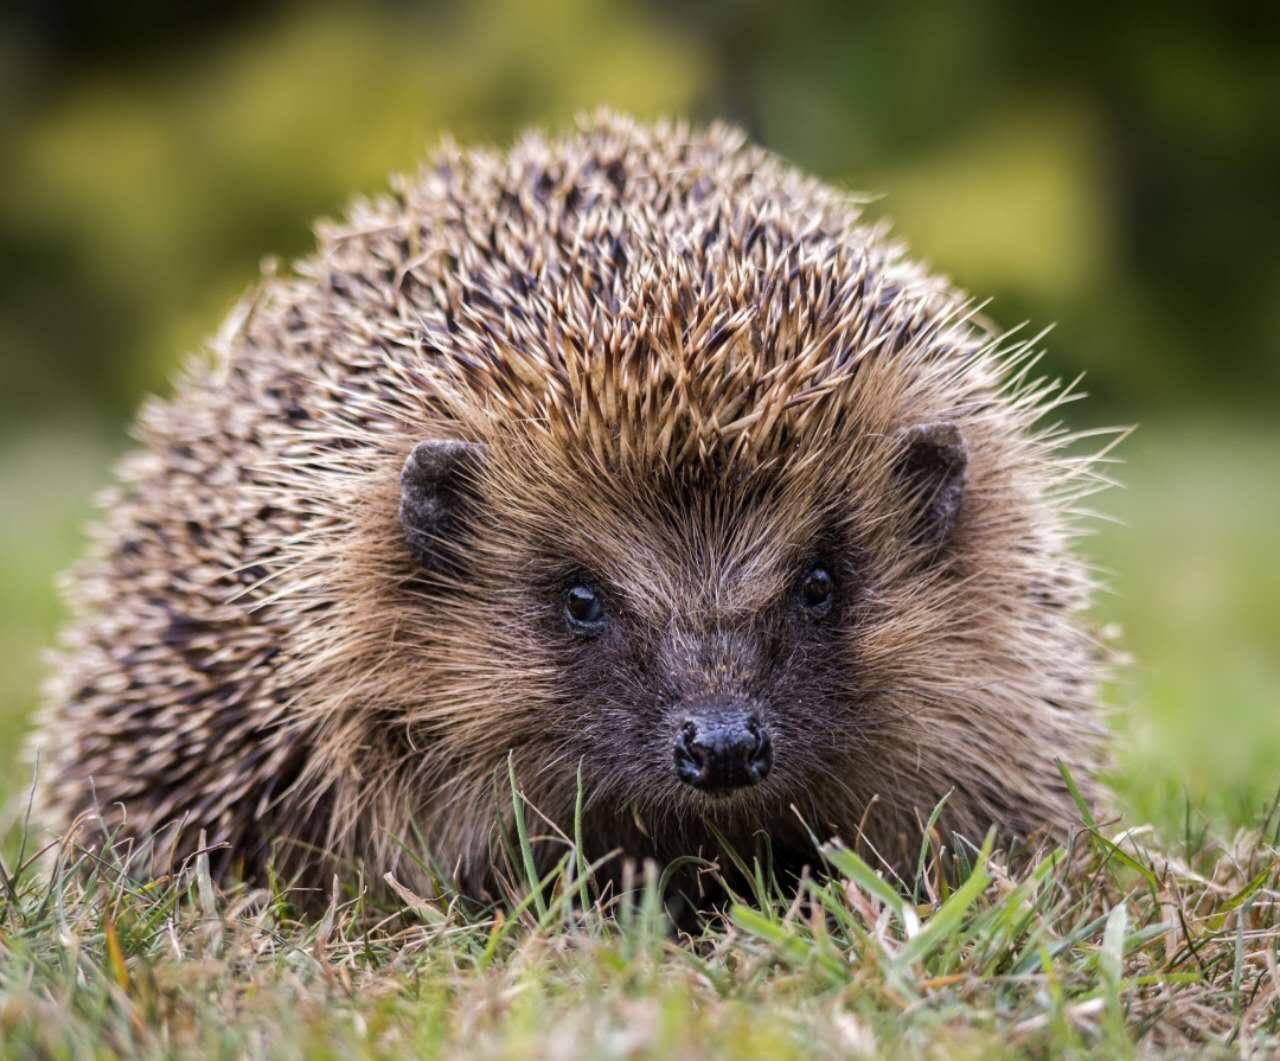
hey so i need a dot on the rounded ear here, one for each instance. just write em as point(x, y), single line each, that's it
point(932, 464)
point(435, 498)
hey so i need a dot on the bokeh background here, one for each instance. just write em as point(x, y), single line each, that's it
point(1115, 170)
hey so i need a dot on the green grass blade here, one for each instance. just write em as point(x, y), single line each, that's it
point(522, 836)
point(949, 916)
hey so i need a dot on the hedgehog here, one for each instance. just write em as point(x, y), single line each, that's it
point(630, 461)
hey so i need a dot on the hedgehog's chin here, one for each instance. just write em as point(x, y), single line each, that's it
point(737, 809)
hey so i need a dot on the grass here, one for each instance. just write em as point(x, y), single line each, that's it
point(1102, 946)
point(1196, 590)
point(1129, 940)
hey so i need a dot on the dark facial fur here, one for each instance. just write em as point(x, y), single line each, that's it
point(633, 454)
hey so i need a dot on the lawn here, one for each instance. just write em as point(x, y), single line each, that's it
point(1126, 941)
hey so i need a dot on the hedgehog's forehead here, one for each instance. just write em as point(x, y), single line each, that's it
point(719, 535)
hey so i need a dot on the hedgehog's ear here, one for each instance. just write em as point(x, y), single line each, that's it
point(932, 465)
point(435, 497)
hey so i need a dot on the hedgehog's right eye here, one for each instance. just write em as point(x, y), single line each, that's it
point(817, 591)
point(584, 609)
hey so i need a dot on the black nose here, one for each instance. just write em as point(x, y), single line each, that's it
point(723, 749)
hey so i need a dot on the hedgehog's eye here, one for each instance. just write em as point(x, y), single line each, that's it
point(584, 609)
point(817, 591)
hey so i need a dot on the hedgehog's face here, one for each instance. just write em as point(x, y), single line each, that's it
point(692, 645)
point(719, 683)
point(699, 684)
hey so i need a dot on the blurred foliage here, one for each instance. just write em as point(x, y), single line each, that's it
point(1113, 168)
point(142, 193)
point(1114, 171)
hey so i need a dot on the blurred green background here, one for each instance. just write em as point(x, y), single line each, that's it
point(1115, 169)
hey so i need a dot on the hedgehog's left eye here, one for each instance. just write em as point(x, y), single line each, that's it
point(817, 591)
point(584, 609)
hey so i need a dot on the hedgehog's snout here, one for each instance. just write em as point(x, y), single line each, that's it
point(722, 746)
